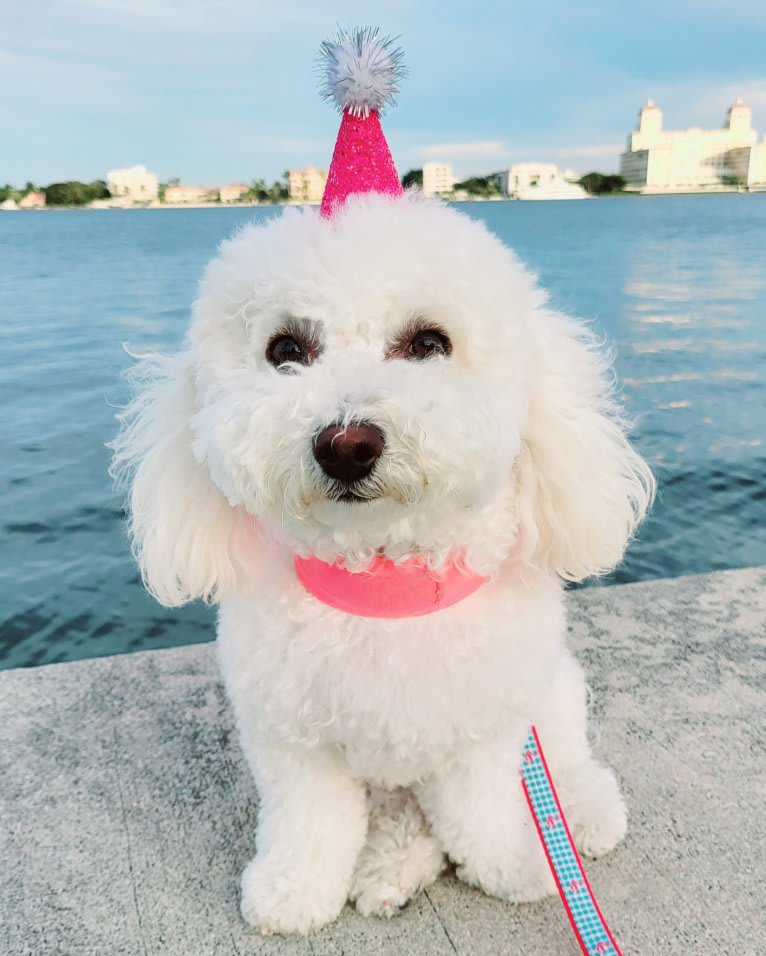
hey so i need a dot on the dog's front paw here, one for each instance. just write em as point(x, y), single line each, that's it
point(595, 811)
point(281, 900)
point(521, 881)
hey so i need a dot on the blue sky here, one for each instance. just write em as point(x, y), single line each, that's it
point(216, 92)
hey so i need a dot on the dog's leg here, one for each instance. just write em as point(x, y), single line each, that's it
point(478, 813)
point(312, 821)
point(400, 856)
point(588, 792)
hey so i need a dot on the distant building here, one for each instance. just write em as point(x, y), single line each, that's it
point(136, 184)
point(186, 194)
point(523, 175)
point(233, 192)
point(659, 160)
point(437, 179)
point(32, 200)
point(538, 181)
point(747, 165)
point(306, 185)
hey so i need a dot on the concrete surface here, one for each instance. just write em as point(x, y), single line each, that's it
point(126, 813)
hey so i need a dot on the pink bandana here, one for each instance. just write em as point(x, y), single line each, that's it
point(386, 589)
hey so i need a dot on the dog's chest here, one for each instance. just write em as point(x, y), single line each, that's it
point(397, 698)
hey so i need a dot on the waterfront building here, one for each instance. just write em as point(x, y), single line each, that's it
point(306, 185)
point(660, 160)
point(32, 200)
point(437, 179)
point(233, 192)
point(747, 165)
point(135, 184)
point(538, 181)
point(186, 194)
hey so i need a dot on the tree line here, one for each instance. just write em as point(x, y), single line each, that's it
point(600, 184)
point(74, 193)
point(597, 184)
point(60, 194)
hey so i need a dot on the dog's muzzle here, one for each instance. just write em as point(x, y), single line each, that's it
point(348, 453)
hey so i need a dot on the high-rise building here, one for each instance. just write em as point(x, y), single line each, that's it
point(660, 160)
point(437, 179)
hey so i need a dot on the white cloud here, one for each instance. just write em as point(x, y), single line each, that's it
point(753, 92)
point(598, 149)
point(84, 84)
point(304, 146)
point(205, 16)
point(481, 157)
point(483, 148)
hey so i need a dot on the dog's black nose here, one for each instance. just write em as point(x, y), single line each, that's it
point(348, 452)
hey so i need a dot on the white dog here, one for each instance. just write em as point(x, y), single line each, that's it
point(387, 383)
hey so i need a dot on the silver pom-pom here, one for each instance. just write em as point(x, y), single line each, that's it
point(359, 70)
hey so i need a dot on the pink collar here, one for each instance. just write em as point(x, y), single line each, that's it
point(385, 589)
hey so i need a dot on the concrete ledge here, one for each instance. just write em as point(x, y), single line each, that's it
point(126, 811)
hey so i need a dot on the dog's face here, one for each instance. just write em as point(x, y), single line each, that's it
point(364, 383)
point(388, 381)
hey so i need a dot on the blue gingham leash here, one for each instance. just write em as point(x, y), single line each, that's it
point(587, 922)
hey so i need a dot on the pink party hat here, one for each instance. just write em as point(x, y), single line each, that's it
point(360, 71)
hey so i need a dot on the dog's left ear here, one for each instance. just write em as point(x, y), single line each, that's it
point(580, 488)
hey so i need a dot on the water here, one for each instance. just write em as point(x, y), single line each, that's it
point(677, 283)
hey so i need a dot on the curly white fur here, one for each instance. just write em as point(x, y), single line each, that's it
point(377, 746)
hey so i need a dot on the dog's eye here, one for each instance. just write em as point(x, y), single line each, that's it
point(428, 342)
point(284, 348)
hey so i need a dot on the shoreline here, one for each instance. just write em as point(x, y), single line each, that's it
point(105, 205)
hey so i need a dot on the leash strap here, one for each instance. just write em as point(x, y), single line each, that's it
point(587, 922)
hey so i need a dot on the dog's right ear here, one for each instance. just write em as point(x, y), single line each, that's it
point(181, 526)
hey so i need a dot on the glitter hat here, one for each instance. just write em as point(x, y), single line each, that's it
point(359, 72)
